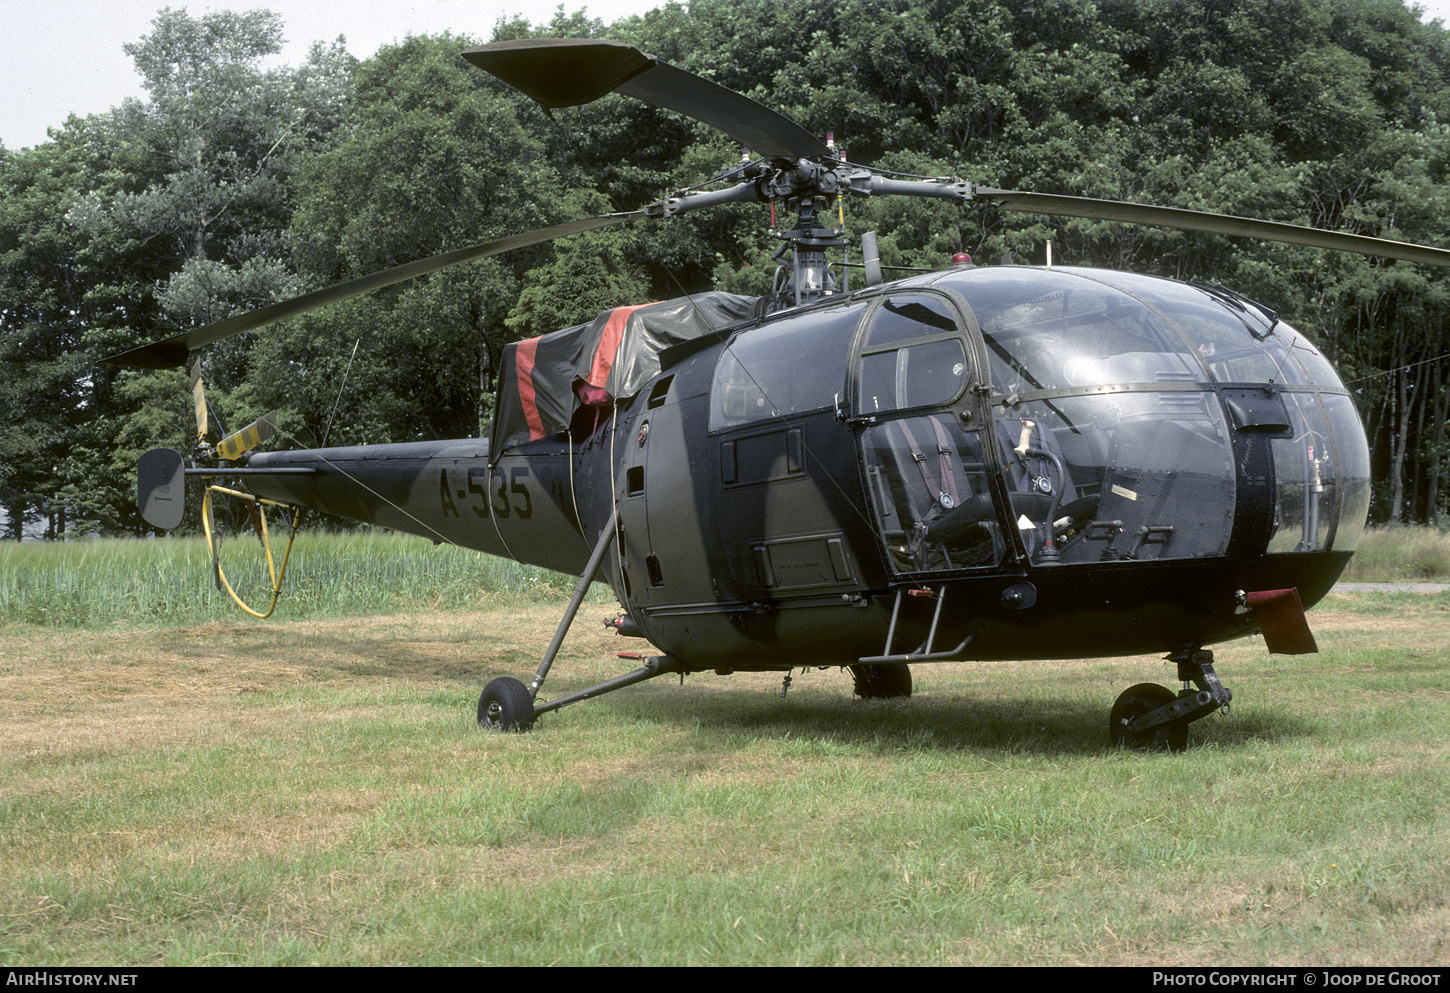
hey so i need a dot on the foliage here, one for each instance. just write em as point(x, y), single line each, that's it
point(130, 223)
point(435, 158)
point(233, 185)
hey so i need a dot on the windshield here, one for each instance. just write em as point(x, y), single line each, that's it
point(1131, 417)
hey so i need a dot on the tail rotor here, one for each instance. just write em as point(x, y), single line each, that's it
point(235, 445)
point(161, 488)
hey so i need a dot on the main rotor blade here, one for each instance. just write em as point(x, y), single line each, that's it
point(567, 72)
point(1196, 220)
point(172, 351)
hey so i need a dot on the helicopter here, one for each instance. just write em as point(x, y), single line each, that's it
point(986, 462)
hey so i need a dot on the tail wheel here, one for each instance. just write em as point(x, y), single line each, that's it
point(506, 705)
point(883, 681)
point(1136, 701)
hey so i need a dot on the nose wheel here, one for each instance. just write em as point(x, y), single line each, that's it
point(1150, 717)
point(1138, 701)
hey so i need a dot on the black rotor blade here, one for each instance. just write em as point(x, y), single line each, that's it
point(1195, 220)
point(567, 72)
point(172, 352)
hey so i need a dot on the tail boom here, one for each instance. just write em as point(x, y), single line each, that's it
point(521, 506)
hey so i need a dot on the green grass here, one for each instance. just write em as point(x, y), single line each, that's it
point(169, 580)
point(1401, 554)
point(317, 792)
point(182, 785)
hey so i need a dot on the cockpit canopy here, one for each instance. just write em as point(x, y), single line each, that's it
point(1050, 329)
point(1127, 417)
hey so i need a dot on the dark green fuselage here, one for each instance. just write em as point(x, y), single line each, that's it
point(1072, 463)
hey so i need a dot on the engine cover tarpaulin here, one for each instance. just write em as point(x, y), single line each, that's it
point(544, 380)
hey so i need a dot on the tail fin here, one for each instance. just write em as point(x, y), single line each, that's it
point(161, 488)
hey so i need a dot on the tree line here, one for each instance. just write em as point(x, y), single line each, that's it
point(233, 185)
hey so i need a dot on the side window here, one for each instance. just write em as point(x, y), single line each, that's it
point(932, 373)
point(905, 318)
point(928, 485)
point(785, 368)
point(913, 357)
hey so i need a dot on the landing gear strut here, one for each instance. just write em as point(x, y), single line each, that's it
point(508, 705)
point(1151, 717)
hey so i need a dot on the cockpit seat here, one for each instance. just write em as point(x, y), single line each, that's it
point(1168, 491)
point(926, 467)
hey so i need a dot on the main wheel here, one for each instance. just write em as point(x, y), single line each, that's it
point(1136, 701)
point(882, 681)
point(506, 705)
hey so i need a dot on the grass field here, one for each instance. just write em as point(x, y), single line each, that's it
point(316, 791)
point(1401, 555)
point(168, 581)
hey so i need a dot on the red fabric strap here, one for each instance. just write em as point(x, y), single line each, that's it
point(1281, 618)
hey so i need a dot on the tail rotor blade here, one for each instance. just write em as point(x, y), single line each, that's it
point(198, 396)
point(248, 438)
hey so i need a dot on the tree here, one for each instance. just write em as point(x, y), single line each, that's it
point(233, 186)
point(435, 159)
point(215, 146)
point(43, 283)
point(130, 223)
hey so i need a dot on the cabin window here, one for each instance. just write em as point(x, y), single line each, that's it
point(1317, 369)
point(928, 374)
point(1046, 330)
point(788, 367)
point(913, 356)
point(903, 318)
point(1350, 472)
point(1150, 475)
point(1235, 339)
point(929, 489)
point(1321, 476)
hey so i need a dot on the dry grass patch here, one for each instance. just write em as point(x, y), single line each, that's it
point(171, 703)
point(127, 674)
point(316, 791)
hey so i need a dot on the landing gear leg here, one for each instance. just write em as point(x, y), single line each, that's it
point(507, 704)
point(1196, 667)
point(1149, 716)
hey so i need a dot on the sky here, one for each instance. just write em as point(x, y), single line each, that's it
point(64, 57)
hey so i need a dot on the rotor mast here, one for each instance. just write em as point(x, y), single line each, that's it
point(807, 276)
point(807, 186)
